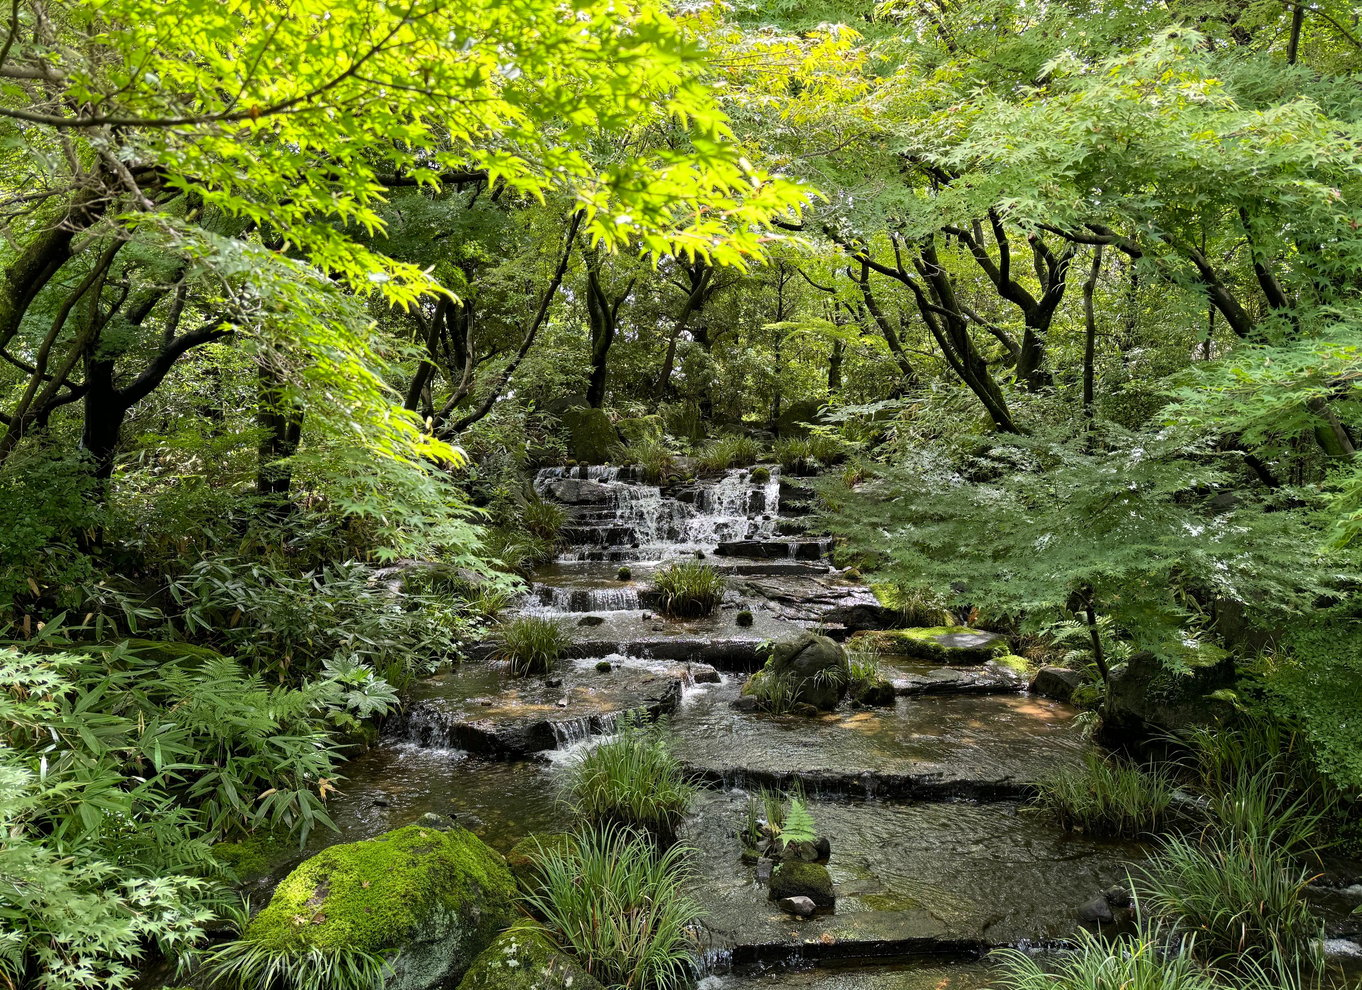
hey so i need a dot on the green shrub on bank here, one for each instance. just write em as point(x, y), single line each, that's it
point(734, 450)
point(618, 904)
point(531, 644)
point(1107, 797)
point(653, 456)
point(632, 780)
point(688, 589)
point(803, 455)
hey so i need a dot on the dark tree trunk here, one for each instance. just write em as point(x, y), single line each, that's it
point(281, 422)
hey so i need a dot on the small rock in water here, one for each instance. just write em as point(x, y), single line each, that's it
point(562, 702)
point(604, 667)
point(745, 704)
point(1117, 896)
point(744, 618)
point(380, 802)
point(551, 682)
point(703, 673)
point(590, 620)
point(764, 868)
point(800, 907)
point(1096, 912)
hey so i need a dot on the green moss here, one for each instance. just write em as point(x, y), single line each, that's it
point(523, 859)
point(761, 475)
point(524, 958)
point(796, 878)
point(255, 855)
point(390, 891)
point(935, 643)
point(1012, 662)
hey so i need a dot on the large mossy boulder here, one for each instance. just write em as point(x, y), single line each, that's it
point(938, 644)
point(591, 434)
point(524, 959)
point(429, 897)
point(1146, 698)
point(809, 669)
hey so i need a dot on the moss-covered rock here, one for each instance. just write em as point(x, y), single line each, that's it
point(939, 644)
point(806, 669)
point(523, 859)
point(592, 435)
point(796, 878)
point(872, 692)
point(640, 429)
point(254, 856)
point(430, 896)
point(524, 959)
point(1014, 663)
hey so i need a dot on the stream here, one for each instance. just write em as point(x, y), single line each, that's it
point(935, 859)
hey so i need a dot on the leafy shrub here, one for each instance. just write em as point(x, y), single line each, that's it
point(619, 905)
point(805, 455)
point(518, 550)
point(632, 780)
point(734, 450)
point(688, 589)
point(1107, 797)
point(531, 644)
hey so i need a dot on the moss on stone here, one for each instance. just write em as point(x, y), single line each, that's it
point(523, 859)
point(525, 959)
point(1014, 663)
point(255, 855)
point(438, 896)
point(940, 644)
point(796, 878)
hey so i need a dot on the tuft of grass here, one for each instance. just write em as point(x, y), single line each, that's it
point(543, 518)
point(1107, 797)
point(1241, 897)
point(688, 589)
point(632, 780)
point(531, 644)
point(807, 455)
point(619, 905)
point(518, 550)
point(654, 457)
point(249, 965)
point(734, 450)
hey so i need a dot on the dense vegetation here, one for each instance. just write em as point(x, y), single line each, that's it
point(1060, 301)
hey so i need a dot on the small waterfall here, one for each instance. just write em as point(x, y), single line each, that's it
point(571, 732)
point(555, 598)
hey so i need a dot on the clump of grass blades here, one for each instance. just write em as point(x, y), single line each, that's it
point(803, 455)
point(1106, 797)
point(1240, 896)
point(249, 965)
point(543, 518)
point(654, 457)
point(726, 452)
point(688, 589)
point(619, 905)
point(632, 780)
point(518, 550)
point(531, 644)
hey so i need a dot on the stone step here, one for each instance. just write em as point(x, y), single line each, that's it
point(784, 549)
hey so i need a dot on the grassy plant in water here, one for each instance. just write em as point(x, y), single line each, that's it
point(688, 589)
point(731, 451)
point(619, 905)
point(1107, 797)
point(632, 780)
point(1240, 895)
point(654, 457)
point(531, 644)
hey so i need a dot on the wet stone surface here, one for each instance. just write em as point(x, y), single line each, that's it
point(919, 677)
point(927, 974)
point(908, 878)
point(480, 708)
point(974, 746)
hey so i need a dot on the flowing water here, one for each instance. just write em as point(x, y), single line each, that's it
point(935, 859)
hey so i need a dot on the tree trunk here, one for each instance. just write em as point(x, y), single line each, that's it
point(282, 423)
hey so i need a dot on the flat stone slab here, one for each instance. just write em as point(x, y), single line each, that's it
point(935, 747)
point(931, 973)
point(481, 709)
point(774, 549)
point(917, 678)
point(941, 644)
point(909, 879)
point(716, 639)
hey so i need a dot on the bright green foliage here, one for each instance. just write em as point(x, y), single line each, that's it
point(341, 915)
point(632, 780)
point(654, 456)
point(1000, 528)
point(730, 451)
point(531, 644)
point(620, 906)
point(1108, 797)
point(688, 589)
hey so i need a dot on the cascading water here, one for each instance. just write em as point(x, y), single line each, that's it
point(617, 517)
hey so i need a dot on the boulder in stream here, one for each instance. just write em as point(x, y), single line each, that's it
point(525, 959)
point(939, 644)
point(800, 907)
point(430, 895)
point(797, 878)
point(1058, 683)
point(806, 669)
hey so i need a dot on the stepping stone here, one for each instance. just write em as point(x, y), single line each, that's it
point(941, 644)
